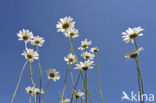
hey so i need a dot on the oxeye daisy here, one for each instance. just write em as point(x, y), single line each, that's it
point(78, 94)
point(133, 54)
point(85, 44)
point(85, 65)
point(70, 58)
point(87, 55)
point(38, 91)
point(72, 32)
point(37, 40)
point(94, 50)
point(65, 100)
point(29, 90)
point(131, 34)
point(25, 35)
point(30, 54)
point(52, 74)
point(64, 24)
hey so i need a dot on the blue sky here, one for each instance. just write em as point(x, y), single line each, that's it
point(101, 21)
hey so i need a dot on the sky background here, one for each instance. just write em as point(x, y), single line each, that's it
point(101, 21)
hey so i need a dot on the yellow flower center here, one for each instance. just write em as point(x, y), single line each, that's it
point(25, 37)
point(95, 50)
point(134, 55)
point(70, 60)
point(29, 56)
point(132, 36)
point(72, 34)
point(84, 46)
point(51, 75)
point(85, 68)
point(37, 42)
point(66, 25)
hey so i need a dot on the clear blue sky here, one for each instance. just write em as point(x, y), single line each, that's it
point(101, 21)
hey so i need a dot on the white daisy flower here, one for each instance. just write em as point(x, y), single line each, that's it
point(29, 90)
point(87, 55)
point(78, 94)
point(94, 50)
point(85, 65)
point(30, 54)
point(65, 100)
point(37, 40)
point(25, 35)
point(131, 34)
point(52, 74)
point(38, 91)
point(133, 54)
point(72, 32)
point(70, 58)
point(85, 44)
point(64, 24)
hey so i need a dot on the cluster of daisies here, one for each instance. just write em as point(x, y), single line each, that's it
point(66, 25)
point(130, 35)
point(31, 55)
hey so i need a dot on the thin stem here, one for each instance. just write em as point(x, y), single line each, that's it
point(18, 82)
point(139, 74)
point(65, 82)
point(99, 82)
point(31, 73)
point(46, 90)
point(75, 100)
point(39, 65)
point(25, 44)
point(86, 84)
point(83, 92)
point(79, 70)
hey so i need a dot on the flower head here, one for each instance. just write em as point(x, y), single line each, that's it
point(70, 58)
point(85, 65)
point(37, 40)
point(85, 44)
point(133, 54)
point(78, 94)
point(39, 91)
point(65, 100)
point(52, 74)
point(25, 35)
point(131, 34)
point(64, 24)
point(29, 90)
point(87, 55)
point(72, 32)
point(30, 54)
point(94, 50)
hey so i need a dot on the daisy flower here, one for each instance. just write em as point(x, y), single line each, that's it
point(85, 65)
point(133, 54)
point(131, 34)
point(30, 54)
point(64, 24)
point(29, 90)
point(85, 44)
point(87, 55)
point(78, 94)
point(37, 40)
point(65, 100)
point(52, 74)
point(72, 32)
point(25, 35)
point(70, 58)
point(94, 50)
point(38, 91)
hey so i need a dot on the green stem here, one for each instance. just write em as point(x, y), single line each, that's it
point(31, 73)
point(86, 84)
point(99, 82)
point(46, 90)
point(18, 82)
point(65, 82)
point(80, 70)
point(30, 98)
point(139, 74)
point(39, 65)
